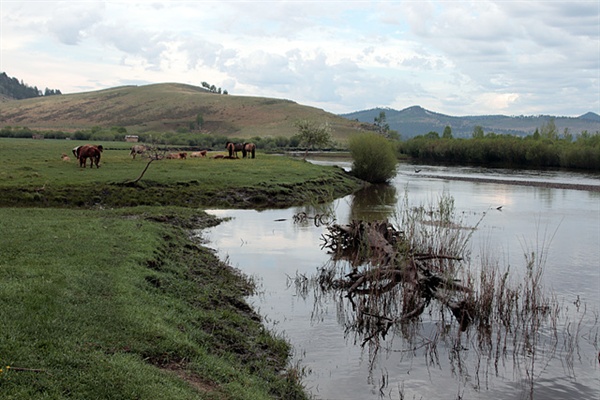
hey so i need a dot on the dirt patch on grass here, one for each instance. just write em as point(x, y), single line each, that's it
point(193, 379)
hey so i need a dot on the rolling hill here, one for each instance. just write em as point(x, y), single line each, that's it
point(173, 107)
point(416, 120)
point(169, 107)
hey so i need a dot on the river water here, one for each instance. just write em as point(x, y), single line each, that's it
point(561, 226)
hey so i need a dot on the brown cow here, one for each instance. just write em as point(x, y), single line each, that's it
point(198, 153)
point(182, 156)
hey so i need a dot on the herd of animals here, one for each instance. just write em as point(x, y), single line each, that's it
point(94, 152)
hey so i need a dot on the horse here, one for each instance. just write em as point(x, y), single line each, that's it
point(198, 153)
point(76, 151)
point(89, 151)
point(137, 149)
point(233, 148)
point(249, 148)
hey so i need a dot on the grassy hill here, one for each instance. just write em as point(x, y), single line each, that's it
point(169, 107)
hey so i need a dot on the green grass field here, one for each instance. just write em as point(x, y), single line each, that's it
point(103, 300)
point(100, 304)
point(33, 174)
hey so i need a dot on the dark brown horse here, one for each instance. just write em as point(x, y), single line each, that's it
point(233, 148)
point(89, 151)
point(249, 149)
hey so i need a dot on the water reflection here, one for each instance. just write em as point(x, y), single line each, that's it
point(378, 202)
point(565, 224)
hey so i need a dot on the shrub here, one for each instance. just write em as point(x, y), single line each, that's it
point(374, 157)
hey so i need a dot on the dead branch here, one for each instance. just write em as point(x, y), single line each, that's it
point(381, 259)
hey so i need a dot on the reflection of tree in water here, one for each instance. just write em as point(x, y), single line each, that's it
point(415, 283)
point(372, 203)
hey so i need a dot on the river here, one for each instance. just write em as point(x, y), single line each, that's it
point(513, 219)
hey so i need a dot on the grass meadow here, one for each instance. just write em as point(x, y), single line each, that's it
point(33, 174)
point(111, 304)
point(104, 301)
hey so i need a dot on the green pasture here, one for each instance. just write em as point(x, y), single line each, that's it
point(103, 300)
point(33, 174)
point(101, 304)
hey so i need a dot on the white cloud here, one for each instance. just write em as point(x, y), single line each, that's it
point(468, 57)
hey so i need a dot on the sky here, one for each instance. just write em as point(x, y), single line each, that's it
point(458, 58)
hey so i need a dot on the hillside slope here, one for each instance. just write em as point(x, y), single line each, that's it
point(416, 120)
point(169, 107)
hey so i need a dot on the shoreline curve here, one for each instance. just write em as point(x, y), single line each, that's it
point(549, 185)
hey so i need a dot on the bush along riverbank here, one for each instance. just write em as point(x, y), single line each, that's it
point(124, 304)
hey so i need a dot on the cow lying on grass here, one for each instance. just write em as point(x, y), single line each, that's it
point(172, 156)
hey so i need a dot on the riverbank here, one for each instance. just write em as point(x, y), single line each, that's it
point(545, 184)
point(124, 303)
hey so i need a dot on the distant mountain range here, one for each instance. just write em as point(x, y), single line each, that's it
point(414, 121)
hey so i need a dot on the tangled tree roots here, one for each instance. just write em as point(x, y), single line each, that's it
point(383, 263)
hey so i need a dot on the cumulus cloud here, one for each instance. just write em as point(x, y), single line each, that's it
point(462, 58)
point(73, 22)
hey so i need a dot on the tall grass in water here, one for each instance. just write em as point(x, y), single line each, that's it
point(488, 320)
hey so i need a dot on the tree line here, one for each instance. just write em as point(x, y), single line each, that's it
point(545, 148)
point(173, 139)
point(18, 90)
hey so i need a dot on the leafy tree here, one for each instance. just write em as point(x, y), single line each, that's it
point(199, 121)
point(312, 135)
point(51, 92)
point(383, 127)
point(478, 132)
point(381, 123)
point(11, 87)
point(447, 132)
point(549, 130)
point(374, 157)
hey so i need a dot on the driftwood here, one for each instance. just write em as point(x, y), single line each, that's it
point(381, 262)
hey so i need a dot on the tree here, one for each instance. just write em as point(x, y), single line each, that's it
point(312, 135)
point(151, 154)
point(199, 121)
point(567, 135)
point(374, 157)
point(381, 123)
point(478, 132)
point(447, 132)
point(549, 130)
